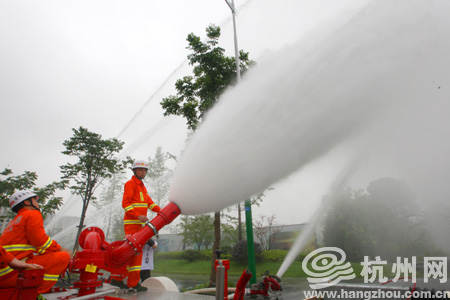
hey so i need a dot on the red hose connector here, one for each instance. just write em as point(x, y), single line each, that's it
point(240, 286)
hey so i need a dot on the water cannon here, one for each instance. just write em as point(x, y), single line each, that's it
point(118, 253)
point(97, 254)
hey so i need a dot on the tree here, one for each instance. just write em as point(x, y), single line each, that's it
point(265, 231)
point(198, 230)
point(111, 195)
point(229, 235)
point(383, 221)
point(254, 200)
point(96, 161)
point(159, 176)
point(213, 73)
point(47, 201)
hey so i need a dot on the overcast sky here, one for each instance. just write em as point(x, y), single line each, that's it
point(66, 64)
point(106, 65)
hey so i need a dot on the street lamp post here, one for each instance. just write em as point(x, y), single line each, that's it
point(236, 48)
point(248, 207)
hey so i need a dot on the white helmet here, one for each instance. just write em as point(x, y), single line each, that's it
point(19, 197)
point(140, 164)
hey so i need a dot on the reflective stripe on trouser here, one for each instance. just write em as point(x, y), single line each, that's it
point(54, 263)
point(134, 265)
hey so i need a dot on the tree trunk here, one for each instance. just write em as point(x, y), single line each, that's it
point(239, 223)
point(109, 225)
point(80, 227)
point(212, 278)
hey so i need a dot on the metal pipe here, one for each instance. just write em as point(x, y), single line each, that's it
point(250, 245)
point(95, 295)
point(220, 281)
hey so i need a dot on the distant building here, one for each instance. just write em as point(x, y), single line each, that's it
point(170, 242)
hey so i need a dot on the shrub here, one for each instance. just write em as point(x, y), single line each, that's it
point(191, 255)
point(168, 255)
point(240, 253)
point(206, 254)
point(274, 255)
point(226, 250)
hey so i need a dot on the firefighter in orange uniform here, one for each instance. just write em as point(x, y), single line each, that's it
point(136, 203)
point(25, 239)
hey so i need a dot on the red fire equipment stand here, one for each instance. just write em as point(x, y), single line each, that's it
point(97, 254)
point(28, 282)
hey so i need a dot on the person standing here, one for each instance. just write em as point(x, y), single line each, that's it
point(147, 259)
point(25, 239)
point(136, 202)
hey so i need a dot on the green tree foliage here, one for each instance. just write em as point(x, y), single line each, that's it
point(198, 230)
point(158, 176)
point(10, 183)
point(213, 73)
point(229, 235)
point(96, 161)
point(109, 202)
point(385, 221)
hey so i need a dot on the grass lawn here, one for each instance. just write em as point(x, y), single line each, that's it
point(165, 267)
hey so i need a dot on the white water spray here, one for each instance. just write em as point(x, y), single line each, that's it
point(381, 69)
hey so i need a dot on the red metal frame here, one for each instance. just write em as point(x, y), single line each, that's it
point(28, 282)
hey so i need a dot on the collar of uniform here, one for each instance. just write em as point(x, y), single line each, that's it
point(137, 180)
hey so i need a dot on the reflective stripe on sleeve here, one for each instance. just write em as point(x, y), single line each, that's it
point(5, 271)
point(44, 247)
point(8, 269)
point(19, 247)
point(134, 268)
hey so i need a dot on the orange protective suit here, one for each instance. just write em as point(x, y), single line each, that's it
point(136, 202)
point(25, 239)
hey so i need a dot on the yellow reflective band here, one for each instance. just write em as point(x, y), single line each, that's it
point(128, 208)
point(7, 270)
point(153, 205)
point(142, 196)
point(134, 268)
point(129, 222)
point(19, 247)
point(44, 247)
point(50, 277)
point(140, 205)
point(46, 244)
